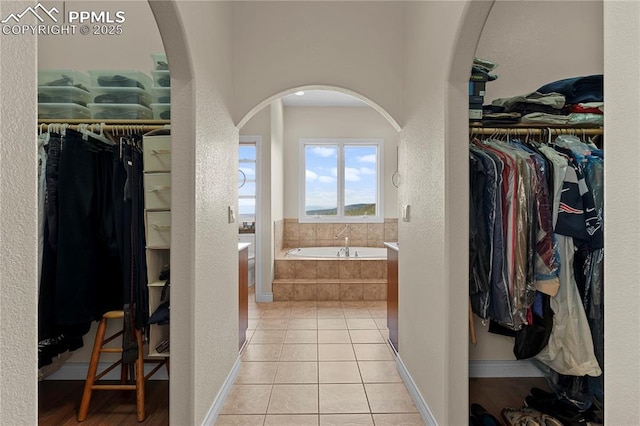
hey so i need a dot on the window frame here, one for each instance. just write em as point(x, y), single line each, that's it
point(340, 143)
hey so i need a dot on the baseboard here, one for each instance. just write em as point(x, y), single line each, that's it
point(421, 405)
point(214, 411)
point(506, 368)
point(78, 371)
point(264, 297)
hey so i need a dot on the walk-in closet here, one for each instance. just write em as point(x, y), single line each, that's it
point(536, 220)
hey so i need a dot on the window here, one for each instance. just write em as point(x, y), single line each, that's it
point(341, 180)
point(247, 187)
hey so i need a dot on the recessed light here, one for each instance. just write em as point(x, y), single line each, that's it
point(300, 93)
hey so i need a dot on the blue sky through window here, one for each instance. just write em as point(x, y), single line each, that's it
point(322, 178)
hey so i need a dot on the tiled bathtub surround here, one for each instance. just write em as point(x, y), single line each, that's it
point(329, 279)
point(322, 234)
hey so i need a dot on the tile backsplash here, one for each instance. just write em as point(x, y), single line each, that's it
point(297, 234)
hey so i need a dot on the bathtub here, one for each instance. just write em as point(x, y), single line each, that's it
point(338, 252)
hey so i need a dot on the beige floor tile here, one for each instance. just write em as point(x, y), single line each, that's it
point(272, 324)
point(268, 336)
point(257, 373)
point(329, 304)
point(335, 352)
point(379, 372)
point(301, 336)
point(345, 398)
point(299, 352)
point(304, 313)
point(276, 313)
point(293, 399)
point(361, 324)
point(332, 324)
point(303, 304)
point(334, 336)
point(254, 314)
point(247, 399)
point(330, 313)
point(346, 420)
point(260, 352)
point(381, 323)
point(297, 372)
point(366, 336)
point(351, 304)
point(339, 372)
point(378, 313)
point(303, 323)
point(240, 420)
point(398, 420)
point(389, 398)
point(356, 313)
point(291, 420)
point(372, 352)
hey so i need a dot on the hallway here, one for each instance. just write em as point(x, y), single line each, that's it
point(310, 363)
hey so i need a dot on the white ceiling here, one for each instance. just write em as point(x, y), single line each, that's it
point(322, 98)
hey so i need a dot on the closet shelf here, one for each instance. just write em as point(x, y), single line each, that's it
point(157, 284)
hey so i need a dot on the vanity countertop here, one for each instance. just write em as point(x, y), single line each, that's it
point(392, 246)
point(242, 246)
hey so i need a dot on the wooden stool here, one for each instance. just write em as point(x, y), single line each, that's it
point(90, 384)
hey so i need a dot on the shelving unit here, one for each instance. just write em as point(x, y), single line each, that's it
point(157, 183)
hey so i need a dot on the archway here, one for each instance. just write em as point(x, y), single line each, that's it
point(346, 91)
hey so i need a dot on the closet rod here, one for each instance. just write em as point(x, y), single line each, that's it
point(109, 125)
point(536, 131)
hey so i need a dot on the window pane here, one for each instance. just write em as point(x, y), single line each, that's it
point(249, 189)
point(321, 184)
point(360, 180)
point(247, 152)
point(249, 170)
point(247, 208)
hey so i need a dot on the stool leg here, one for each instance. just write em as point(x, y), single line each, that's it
point(140, 377)
point(91, 373)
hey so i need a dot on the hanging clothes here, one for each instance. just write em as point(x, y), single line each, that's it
point(93, 237)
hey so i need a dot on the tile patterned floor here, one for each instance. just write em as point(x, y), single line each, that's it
point(318, 363)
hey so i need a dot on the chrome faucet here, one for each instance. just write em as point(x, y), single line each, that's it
point(346, 240)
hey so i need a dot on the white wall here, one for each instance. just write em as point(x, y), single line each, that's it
point(18, 228)
point(282, 45)
point(564, 47)
point(536, 42)
point(622, 210)
point(277, 160)
point(197, 37)
point(336, 122)
point(260, 125)
point(129, 51)
point(431, 339)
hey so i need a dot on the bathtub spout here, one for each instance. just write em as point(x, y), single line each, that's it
point(341, 232)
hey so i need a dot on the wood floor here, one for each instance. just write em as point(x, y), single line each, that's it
point(59, 400)
point(496, 394)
